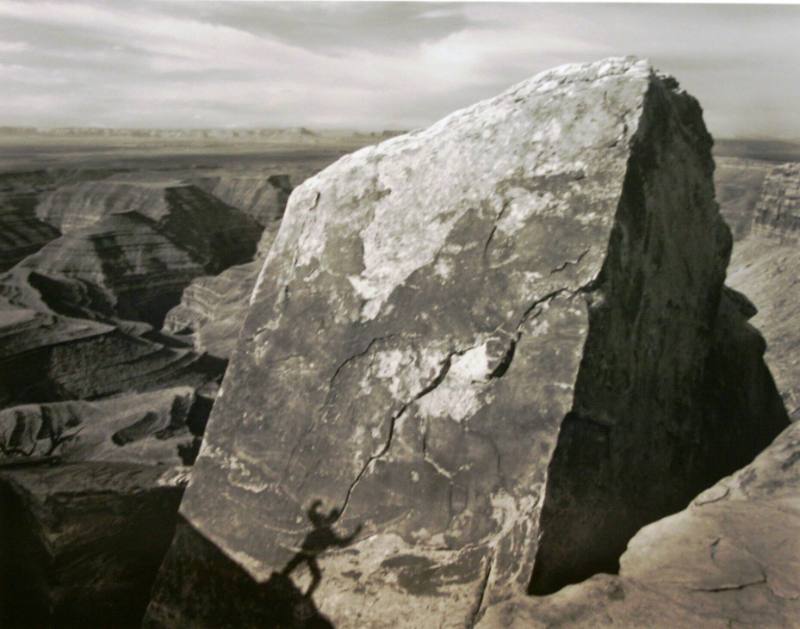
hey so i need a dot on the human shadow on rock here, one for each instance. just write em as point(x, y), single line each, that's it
point(321, 538)
point(200, 586)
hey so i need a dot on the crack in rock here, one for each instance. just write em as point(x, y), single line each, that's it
point(437, 380)
point(492, 232)
point(730, 588)
point(358, 354)
point(475, 613)
point(567, 263)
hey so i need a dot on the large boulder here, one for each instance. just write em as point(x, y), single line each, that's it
point(732, 558)
point(478, 358)
point(764, 266)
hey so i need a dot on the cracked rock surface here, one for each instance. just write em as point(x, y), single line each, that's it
point(732, 558)
point(489, 344)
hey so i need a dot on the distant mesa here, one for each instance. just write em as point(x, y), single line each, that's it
point(286, 136)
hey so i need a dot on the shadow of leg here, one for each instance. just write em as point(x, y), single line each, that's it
point(316, 576)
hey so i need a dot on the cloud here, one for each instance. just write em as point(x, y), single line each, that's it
point(372, 65)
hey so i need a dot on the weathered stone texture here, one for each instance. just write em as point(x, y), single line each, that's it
point(731, 559)
point(459, 327)
point(778, 209)
point(764, 266)
point(80, 543)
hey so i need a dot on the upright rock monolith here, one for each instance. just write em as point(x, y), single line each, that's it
point(476, 361)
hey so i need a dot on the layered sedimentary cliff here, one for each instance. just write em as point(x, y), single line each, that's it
point(46, 357)
point(778, 208)
point(135, 263)
point(478, 358)
point(764, 266)
point(738, 183)
point(76, 205)
point(21, 234)
point(153, 427)
point(262, 197)
point(213, 308)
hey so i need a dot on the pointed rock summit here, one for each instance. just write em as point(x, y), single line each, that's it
point(487, 352)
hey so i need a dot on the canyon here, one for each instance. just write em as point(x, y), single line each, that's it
point(530, 366)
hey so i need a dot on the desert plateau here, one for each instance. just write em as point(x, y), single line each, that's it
point(532, 362)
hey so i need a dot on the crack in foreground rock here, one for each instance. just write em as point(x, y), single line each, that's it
point(567, 263)
point(437, 380)
point(730, 588)
point(498, 372)
point(476, 610)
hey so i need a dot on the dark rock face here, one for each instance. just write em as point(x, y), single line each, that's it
point(82, 542)
point(444, 357)
point(21, 234)
point(198, 566)
point(731, 558)
point(738, 411)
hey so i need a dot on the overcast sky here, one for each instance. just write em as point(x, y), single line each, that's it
point(372, 65)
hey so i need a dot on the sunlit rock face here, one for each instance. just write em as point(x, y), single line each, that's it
point(764, 266)
point(490, 346)
point(731, 558)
